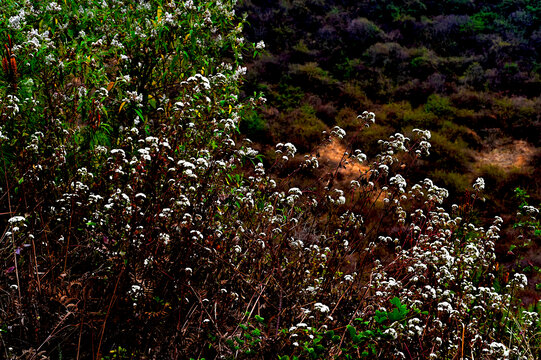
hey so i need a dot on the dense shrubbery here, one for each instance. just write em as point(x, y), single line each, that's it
point(466, 70)
point(137, 227)
point(468, 63)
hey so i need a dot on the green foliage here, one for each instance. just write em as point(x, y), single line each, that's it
point(494, 176)
point(529, 215)
point(118, 353)
point(461, 133)
point(439, 106)
point(304, 127)
point(369, 138)
point(348, 69)
point(482, 21)
point(447, 155)
point(253, 125)
point(456, 183)
point(289, 96)
point(454, 59)
point(247, 342)
point(398, 314)
point(94, 87)
point(311, 73)
point(347, 119)
point(420, 118)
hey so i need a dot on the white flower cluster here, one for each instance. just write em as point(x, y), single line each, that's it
point(321, 307)
point(134, 97)
point(423, 136)
point(368, 118)
point(287, 150)
point(479, 184)
point(338, 132)
point(441, 274)
point(17, 22)
point(16, 219)
point(359, 156)
point(398, 181)
point(2, 134)
point(337, 197)
point(53, 7)
point(311, 162)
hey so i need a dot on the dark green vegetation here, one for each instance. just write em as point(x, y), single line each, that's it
point(469, 71)
point(138, 224)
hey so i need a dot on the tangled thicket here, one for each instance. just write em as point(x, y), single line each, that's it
point(137, 227)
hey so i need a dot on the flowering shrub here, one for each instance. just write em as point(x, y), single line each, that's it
point(138, 224)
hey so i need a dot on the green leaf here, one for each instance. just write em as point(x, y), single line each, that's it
point(368, 333)
point(400, 312)
point(140, 114)
point(352, 331)
point(380, 316)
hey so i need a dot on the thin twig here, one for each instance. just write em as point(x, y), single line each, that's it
point(107, 315)
point(81, 326)
point(462, 348)
point(69, 235)
point(53, 332)
point(12, 235)
point(36, 264)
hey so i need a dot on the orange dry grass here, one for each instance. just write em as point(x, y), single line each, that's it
point(516, 154)
point(330, 156)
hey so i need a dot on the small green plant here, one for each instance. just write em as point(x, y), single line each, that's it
point(247, 342)
point(119, 353)
point(399, 312)
point(528, 216)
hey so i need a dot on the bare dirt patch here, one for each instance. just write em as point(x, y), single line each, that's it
point(330, 156)
point(513, 154)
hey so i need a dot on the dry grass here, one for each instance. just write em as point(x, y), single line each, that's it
point(509, 155)
point(332, 154)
